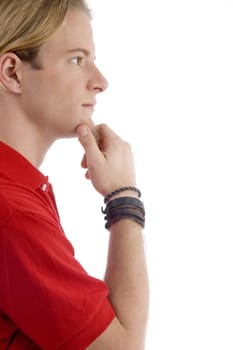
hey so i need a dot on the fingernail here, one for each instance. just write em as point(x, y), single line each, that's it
point(82, 131)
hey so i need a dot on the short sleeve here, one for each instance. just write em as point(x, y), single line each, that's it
point(44, 289)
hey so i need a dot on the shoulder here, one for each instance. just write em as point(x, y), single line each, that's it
point(26, 202)
point(21, 198)
point(24, 210)
point(6, 209)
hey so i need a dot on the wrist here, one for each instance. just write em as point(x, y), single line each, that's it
point(124, 208)
point(127, 191)
point(124, 194)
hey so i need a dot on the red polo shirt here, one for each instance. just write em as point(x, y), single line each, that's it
point(47, 300)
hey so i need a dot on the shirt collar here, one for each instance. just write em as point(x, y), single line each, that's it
point(16, 167)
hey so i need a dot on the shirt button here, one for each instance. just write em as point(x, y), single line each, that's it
point(44, 187)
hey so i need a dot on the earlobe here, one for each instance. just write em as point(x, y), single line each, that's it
point(10, 72)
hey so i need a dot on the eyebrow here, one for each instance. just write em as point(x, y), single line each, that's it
point(84, 51)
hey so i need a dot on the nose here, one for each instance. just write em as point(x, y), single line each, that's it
point(97, 81)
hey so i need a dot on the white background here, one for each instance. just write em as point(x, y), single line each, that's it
point(170, 70)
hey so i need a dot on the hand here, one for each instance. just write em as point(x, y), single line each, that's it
point(108, 159)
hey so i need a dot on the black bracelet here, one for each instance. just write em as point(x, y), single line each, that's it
point(122, 189)
point(124, 208)
point(123, 201)
point(126, 215)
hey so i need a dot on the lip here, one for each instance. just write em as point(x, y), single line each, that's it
point(89, 104)
point(89, 108)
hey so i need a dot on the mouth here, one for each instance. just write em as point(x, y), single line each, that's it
point(89, 107)
point(89, 104)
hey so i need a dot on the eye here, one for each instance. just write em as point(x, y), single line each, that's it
point(77, 60)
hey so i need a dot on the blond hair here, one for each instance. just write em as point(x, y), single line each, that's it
point(25, 25)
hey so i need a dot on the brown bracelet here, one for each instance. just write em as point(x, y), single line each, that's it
point(122, 189)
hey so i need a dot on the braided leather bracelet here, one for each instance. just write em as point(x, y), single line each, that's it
point(122, 189)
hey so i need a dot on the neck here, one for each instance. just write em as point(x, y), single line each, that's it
point(27, 147)
point(22, 135)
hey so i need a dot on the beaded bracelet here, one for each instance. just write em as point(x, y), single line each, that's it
point(122, 189)
point(124, 208)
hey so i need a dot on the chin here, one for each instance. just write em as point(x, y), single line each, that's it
point(66, 134)
point(88, 122)
point(70, 135)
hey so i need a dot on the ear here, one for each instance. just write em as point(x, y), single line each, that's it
point(11, 72)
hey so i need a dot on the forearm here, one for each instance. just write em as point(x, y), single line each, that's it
point(127, 279)
point(126, 272)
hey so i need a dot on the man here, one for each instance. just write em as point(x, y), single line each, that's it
point(49, 84)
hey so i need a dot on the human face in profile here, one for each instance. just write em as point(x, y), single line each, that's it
point(61, 94)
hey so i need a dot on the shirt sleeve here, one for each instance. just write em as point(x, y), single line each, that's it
point(44, 289)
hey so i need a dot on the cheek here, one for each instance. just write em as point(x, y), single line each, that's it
point(73, 84)
point(40, 100)
point(73, 96)
point(54, 97)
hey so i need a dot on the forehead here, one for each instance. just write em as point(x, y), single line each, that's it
point(75, 32)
